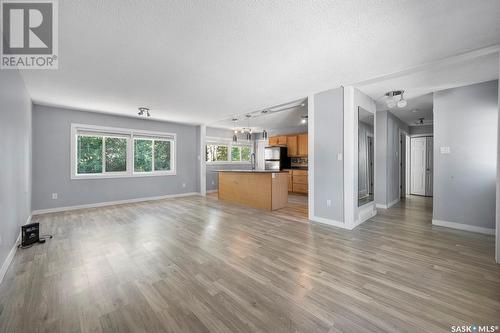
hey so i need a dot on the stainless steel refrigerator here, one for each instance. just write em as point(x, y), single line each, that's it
point(276, 158)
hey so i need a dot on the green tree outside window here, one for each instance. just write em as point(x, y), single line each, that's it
point(89, 154)
point(162, 155)
point(116, 154)
point(143, 155)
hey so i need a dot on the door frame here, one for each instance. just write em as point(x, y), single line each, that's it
point(402, 132)
point(370, 171)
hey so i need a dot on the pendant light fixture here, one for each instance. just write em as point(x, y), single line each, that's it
point(235, 131)
point(264, 134)
point(249, 133)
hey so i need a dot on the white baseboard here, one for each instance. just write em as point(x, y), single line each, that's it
point(330, 222)
point(212, 191)
point(464, 227)
point(389, 205)
point(111, 203)
point(365, 215)
point(12, 253)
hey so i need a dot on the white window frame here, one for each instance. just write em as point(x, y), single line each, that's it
point(230, 144)
point(130, 135)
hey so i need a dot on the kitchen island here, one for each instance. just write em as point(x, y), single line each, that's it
point(264, 189)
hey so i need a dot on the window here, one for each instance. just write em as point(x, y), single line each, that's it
point(245, 153)
point(218, 151)
point(240, 153)
point(151, 155)
point(115, 154)
point(99, 152)
point(89, 154)
point(235, 154)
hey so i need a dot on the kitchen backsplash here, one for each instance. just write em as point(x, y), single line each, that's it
point(299, 160)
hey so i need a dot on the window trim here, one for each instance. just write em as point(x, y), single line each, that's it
point(229, 143)
point(129, 134)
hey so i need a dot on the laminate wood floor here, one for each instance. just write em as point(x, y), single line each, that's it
point(195, 264)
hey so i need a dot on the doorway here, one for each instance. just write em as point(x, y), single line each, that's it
point(421, 166)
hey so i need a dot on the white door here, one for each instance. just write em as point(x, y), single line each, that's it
point(418, 165)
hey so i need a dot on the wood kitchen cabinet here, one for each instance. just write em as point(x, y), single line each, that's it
point(291, 143)
point(300, 181)
point(296, 144)
point(302, 143)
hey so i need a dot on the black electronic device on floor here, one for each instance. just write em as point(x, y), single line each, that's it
point(30, 234)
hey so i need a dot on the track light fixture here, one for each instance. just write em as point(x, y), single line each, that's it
point(143, 111)
point(394, 98)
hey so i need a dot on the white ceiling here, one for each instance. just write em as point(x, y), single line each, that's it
point(196, 61)
point(271, 121)
point(420, 84)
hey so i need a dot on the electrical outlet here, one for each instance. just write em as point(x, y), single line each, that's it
point(54, 196)
point(213, 182)
point(183, 185)
point(328, 203)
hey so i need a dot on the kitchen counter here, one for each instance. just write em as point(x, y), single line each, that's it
point(264, 189)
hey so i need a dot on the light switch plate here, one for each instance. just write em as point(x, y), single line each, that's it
point(445, 150)
point(339, 156)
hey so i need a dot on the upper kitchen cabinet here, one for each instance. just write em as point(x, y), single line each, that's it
point(291, 143)
point(302, 143)
point(277, 140)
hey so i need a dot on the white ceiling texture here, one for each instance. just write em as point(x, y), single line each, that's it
point(420, 83)
point(199, 61)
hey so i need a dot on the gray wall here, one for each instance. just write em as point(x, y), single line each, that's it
point(211, 174)
point(51, 161)
point(465, 119)
point(426, 129)
point(15, 149)
point(328, 142)
point(387, 158)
